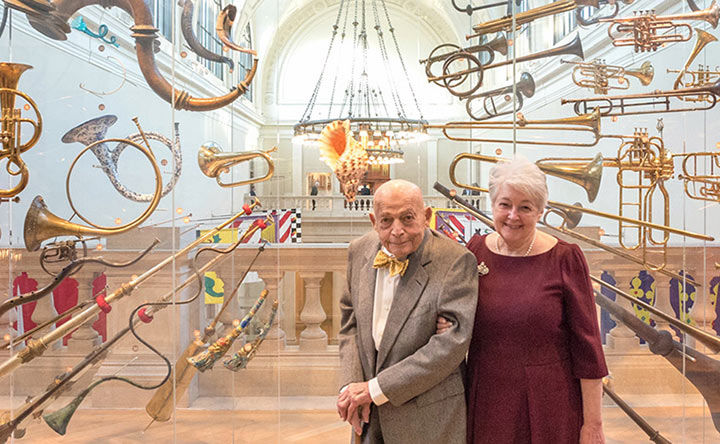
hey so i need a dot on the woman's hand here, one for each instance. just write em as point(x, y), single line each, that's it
point(442, 325)
point(592, 434)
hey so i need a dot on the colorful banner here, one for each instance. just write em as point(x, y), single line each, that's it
point(214, 288)
point(456, 223)
point(285, 229)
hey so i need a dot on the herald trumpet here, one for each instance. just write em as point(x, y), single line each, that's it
point(601, 78)
point(647, 103)
point(453, 80)
point(587, 176)
point(589, 123)
point(442, 52)
point(701, 185)
point(213, 162)
point(646, 31)
point(525, 86)
point(11, 121)
point(506, 23)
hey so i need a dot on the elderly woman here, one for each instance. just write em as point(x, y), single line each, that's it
point(535, 362)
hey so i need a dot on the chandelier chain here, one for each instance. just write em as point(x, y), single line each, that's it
point(386, 61)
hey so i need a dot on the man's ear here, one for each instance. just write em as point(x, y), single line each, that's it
point(372, 219)
point(428, 215)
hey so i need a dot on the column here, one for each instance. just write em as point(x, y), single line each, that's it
point(621, 338)
point(275, 339)
point(662, 303)
point(312, 338)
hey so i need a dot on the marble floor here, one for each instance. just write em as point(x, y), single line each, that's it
point(200, 426)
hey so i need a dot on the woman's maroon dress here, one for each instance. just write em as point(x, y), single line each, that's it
point(535, 336)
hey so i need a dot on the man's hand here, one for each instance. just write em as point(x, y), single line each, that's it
point(442, 325)
point(354, 402)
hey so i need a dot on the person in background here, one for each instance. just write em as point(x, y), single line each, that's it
point(314, 192)
point(401, 382)
point(535, 361)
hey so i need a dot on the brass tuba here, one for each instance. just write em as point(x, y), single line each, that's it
point(587, 176)
point(601, 78)
point(11, 121)
point(213, 162)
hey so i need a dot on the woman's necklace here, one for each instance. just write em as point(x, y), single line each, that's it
point(532, 244)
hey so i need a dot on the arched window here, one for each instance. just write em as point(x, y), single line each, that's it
point(162, 13)
point(245, 60)
point(206, 17)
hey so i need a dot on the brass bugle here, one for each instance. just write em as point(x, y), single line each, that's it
point(646, 103)
point(647, 32)
point(525, 86)
point(585, 123)
point(441, 53)
point(601, 78)
point(213, 162)
point(703, 39)
point(565, 228)
point(587, 176)
point(506, 23)
point(451, 80)
point(469, 9)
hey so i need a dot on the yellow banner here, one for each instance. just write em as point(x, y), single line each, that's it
point(214, 288)
point(225, 236)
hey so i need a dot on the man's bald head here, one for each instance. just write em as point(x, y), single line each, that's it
point(399, 216)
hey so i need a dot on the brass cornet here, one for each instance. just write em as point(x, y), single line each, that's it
point(11, 121)
point(213, 162)
point(525, 86)
point(646, 31)
point(601, 78)
point(587, 176)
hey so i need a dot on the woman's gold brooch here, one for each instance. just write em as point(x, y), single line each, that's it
point(483, 269)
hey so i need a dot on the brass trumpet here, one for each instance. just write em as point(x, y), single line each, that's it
point(453, 80)
point(585, 123)
point(646, 31)
point(506, 23)
point(441, 53)
point(601, 78)
point(647, 103)
point(587, 176)
point(701, 77)
point(213, 162)
point(11, 120)
point(526, 86)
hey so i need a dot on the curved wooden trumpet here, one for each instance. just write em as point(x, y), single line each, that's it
point(243, 356)
point(587, 176)
point(647, 32)
point(525, 86)
point(599, 77)
point(50, 18)
point(223, 26)
point(213, 162)
point(647, 103)
point(11, 121)
point(186, 26)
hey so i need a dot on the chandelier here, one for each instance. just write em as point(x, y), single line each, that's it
point(380, 127)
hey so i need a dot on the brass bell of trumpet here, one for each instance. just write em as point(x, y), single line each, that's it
point(587, 176)
point(601, 78)
point(525, 86)
point(213, 162)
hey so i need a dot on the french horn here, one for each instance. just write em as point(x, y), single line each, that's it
point(600, 77)
point(51, 20)
point(11, 121)
point(93, 132)
point(647, 32)
point(213, 162)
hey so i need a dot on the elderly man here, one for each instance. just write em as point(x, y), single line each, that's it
point(398, 376)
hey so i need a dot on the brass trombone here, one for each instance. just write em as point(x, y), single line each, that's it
point(452, 80)
point(601, 78)
point(646, 31)
point(701, 77)
point(587, 176)
point(585, 123)
point(42, 224)
point(506, 23)
point(213, 162)
point(647, 103)
point(441, 53)
point(525, 86)
point(11, 121)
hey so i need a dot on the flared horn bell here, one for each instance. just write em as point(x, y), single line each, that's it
point(589, 176)
point(42, 224)
point(645, 73)
point(60, 419)
point(213, 162)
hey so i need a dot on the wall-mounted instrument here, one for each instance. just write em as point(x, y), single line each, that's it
point(601, 78)
point(491, 100)
point(213, 162)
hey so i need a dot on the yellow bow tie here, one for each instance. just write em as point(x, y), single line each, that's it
point(395, 266)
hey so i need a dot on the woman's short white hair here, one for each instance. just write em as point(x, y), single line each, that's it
point(524, 176)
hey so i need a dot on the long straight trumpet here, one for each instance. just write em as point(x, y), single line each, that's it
point(587, 176)
point(37, 347)
point(506, 23)
point(646, 103)
point(589, 123)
